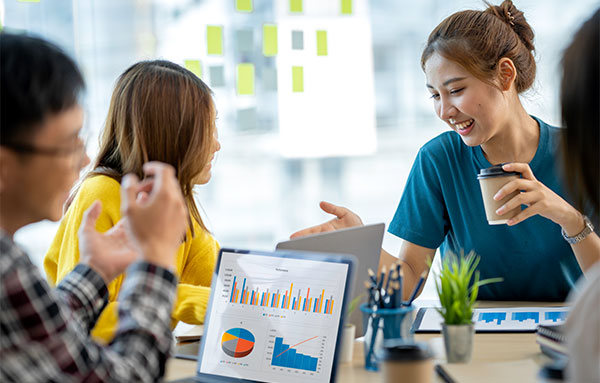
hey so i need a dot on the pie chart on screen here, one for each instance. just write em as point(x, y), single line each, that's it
point(237, 342)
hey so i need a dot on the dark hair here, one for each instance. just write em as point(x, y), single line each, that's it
point(477, 40)
point(580, 109)
point(37, 80)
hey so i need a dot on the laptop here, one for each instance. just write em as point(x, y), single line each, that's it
point(364, 242)
point(274, 316)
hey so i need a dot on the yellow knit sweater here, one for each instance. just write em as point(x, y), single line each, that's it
point(194, 265)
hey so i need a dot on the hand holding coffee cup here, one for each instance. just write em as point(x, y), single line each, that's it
point(491, 180)
point(539, 199)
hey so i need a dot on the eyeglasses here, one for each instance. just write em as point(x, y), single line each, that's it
point(76, 150)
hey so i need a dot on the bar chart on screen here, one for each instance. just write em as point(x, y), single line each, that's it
point(260, 289)
point(295, 353)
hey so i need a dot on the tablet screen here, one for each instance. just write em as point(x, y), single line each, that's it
point(273, 319)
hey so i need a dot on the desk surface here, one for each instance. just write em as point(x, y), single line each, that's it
point(487, 348)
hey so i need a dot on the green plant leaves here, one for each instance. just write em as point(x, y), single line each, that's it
point(457, 294)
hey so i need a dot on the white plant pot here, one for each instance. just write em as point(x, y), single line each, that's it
point(347, 343)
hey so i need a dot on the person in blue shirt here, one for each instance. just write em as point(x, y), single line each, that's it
point(476, 64)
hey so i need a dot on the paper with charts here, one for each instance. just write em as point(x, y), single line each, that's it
point(511, 319)
point(274, 319)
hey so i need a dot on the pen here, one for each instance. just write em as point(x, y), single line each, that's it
point(388, 303)
point(417, 287)
point(369, 287)
point(380, 283)
point(391, 276)
point(372, 276)
point(443, 374)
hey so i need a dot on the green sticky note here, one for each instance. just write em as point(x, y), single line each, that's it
point(270, 39)
point(346, 7)
point(214, 39)
point(321, 43)
point(245, 78)
point(296, 6)
point(243, 5)
point(194, 67)
point(297, 79)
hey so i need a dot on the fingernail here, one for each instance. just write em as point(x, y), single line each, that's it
point(497, 196)
point(500, 210)
point(510, 222)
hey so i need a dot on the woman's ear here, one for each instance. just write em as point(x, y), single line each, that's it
point(507, 73)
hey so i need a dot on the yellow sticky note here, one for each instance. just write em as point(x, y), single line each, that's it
point(245, 78)
point(214, 40)
point(321, 43)
point(346, 7)
point(297, 79)
point(296, 6)
point(194, 67)
point(270, 40)
point(243, 5)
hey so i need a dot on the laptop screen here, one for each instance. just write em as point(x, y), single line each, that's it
point(274, 317)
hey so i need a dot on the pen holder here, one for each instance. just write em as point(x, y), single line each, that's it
point(384, 325)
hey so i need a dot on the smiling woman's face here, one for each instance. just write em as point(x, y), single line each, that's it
point(474, 109)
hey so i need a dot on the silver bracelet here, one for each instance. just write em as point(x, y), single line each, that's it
point(587, 230)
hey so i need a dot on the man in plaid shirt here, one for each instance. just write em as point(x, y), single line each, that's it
point(45, 331)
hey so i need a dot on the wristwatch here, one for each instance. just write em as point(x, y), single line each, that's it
point(587, 230)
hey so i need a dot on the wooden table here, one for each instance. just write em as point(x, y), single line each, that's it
point(488, 347)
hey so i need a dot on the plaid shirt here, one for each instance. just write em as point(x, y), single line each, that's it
point(45, 332)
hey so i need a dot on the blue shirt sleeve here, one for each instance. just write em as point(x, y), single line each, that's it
point(421, 216)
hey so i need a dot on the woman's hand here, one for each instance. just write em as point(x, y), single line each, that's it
point(539, 199)
point(344, 219)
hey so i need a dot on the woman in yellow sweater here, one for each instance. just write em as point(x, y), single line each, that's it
point(159, 111)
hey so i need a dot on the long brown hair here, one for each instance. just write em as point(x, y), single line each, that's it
point(159, 111)
point(580, 110)
point(477, 40)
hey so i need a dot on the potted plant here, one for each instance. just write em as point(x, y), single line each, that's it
point(349, 332)
point(457, 286)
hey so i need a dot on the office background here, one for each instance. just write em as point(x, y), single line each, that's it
point(344, 128)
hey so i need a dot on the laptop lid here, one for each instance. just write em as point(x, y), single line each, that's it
point(364, 242)
point(274, 316)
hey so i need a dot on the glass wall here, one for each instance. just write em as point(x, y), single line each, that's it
point(317, 99)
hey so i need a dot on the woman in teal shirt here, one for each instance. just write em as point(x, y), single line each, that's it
point(476, 64)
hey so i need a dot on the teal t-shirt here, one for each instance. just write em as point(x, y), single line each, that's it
point(442, 207)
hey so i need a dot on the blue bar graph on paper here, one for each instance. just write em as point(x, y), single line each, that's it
point(283, 356)
point(490, 317)
point(556, 316)
point(535, 316)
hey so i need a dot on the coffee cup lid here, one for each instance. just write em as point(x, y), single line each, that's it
point(495, 171)
point(407, 352)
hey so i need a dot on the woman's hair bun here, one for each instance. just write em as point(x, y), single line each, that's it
point(515, 19)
